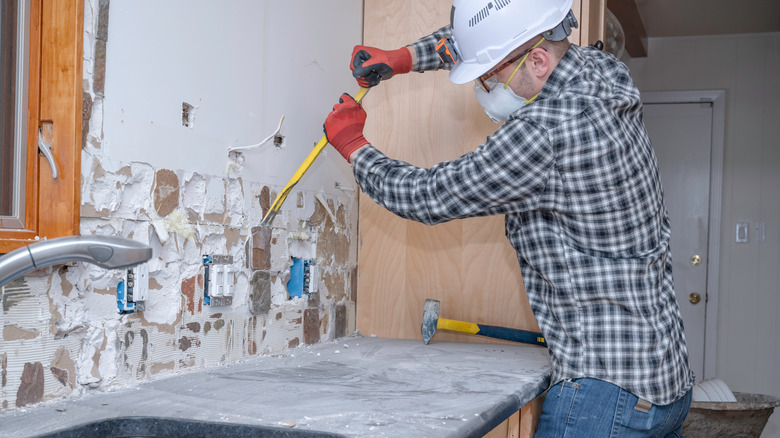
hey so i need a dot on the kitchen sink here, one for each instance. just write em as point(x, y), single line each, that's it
point(156, 427)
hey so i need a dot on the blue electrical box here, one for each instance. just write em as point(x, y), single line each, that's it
point(302, 278)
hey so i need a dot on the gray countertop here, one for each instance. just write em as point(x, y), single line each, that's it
point(354, 386)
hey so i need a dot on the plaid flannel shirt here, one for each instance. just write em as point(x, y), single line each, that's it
point(577, 179)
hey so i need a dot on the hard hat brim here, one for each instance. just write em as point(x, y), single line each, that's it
point(463, 72)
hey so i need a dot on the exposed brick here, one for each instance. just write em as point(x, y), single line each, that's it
point(63, 367)
point(166, 192)
point(260, 295)
point(4, 374)
point(188, 290)
point(194, 326)
point(341, 321)
point(14, 333)
point(99, 74)
point(86, 116)
point(60, 374)
point(319, 215)
point(102, 30)
point(311, 326)
point(313, 300)
point(145, 346)
point(354, 285)
point(261, 248)
point(335, 282)
point(159, 367)
point(293, 343)
point(31, 389)
point(265, 199)
point(341, 217)
point(333, 244)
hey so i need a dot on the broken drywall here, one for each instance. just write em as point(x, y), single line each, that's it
point(146, 176)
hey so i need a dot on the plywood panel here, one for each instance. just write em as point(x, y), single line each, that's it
point(466, 264)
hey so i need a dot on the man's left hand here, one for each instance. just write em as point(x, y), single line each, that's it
point(344, 126)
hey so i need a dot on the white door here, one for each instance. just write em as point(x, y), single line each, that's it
point(681, 134)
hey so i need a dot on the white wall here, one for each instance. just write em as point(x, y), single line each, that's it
point(748, 68)
point(242, 64)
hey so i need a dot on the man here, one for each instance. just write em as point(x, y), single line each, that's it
point(574, 173)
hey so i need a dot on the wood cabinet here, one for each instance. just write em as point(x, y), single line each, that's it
point(466, 264)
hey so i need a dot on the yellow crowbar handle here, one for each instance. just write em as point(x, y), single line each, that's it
point(277, 205)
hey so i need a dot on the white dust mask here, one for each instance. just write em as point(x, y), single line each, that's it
point(500, 102)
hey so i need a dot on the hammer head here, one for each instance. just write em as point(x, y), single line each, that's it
point(430, 319)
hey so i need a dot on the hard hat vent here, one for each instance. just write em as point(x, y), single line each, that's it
point(485, 12)
point(481, 15)
point(502, 3)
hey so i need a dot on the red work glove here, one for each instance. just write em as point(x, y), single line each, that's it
point(370, 65)
point(344, 126)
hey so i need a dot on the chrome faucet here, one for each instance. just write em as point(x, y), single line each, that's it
point(108, 252)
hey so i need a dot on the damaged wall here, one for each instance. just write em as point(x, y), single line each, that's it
point(168, 87)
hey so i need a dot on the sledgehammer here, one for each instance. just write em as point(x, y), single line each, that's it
point(431, 322)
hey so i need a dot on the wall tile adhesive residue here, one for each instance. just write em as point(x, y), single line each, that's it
point(61, 332)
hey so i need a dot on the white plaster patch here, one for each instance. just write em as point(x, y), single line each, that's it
point(279, 296)
point(136, 199)
point(235, 202)
point(160, 231)
point(302, 245)
point(109, 358)
point(280, 332)
point(215, 196)
point(91, 343)
point(96, 121)
point(254, 211)
point(280, 256)
point(194, 193)
point(241, 291)
point(163, 305)
point(105, 194)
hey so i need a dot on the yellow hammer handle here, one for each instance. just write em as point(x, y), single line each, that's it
point(277, 204)
point(457, 326)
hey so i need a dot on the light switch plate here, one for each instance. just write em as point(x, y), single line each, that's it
point(743, 232)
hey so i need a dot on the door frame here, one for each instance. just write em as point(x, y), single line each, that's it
point(718, 100)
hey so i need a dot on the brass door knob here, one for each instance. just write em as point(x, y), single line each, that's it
point(695, 260)
point(694, 298)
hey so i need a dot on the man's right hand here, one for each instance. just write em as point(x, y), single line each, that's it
point(370, 65)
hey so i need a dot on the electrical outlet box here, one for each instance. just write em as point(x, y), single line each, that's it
point(133, 290)
point(304, 278)
point(218, 280)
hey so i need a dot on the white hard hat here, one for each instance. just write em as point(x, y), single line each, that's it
point(485, 31)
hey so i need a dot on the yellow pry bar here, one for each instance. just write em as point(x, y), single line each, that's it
point(277, 205)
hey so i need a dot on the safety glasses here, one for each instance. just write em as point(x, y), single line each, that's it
point(489, 79)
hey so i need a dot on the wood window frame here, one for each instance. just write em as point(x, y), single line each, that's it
point(55, 93)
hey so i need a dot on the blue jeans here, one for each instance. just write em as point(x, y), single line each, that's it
point(594, 408)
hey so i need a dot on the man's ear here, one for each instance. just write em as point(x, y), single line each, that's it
point(539, 62)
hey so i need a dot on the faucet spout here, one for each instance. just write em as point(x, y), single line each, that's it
point(110, 252)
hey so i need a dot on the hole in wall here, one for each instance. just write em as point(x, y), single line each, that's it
point(279, 140)
point(187, 113)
